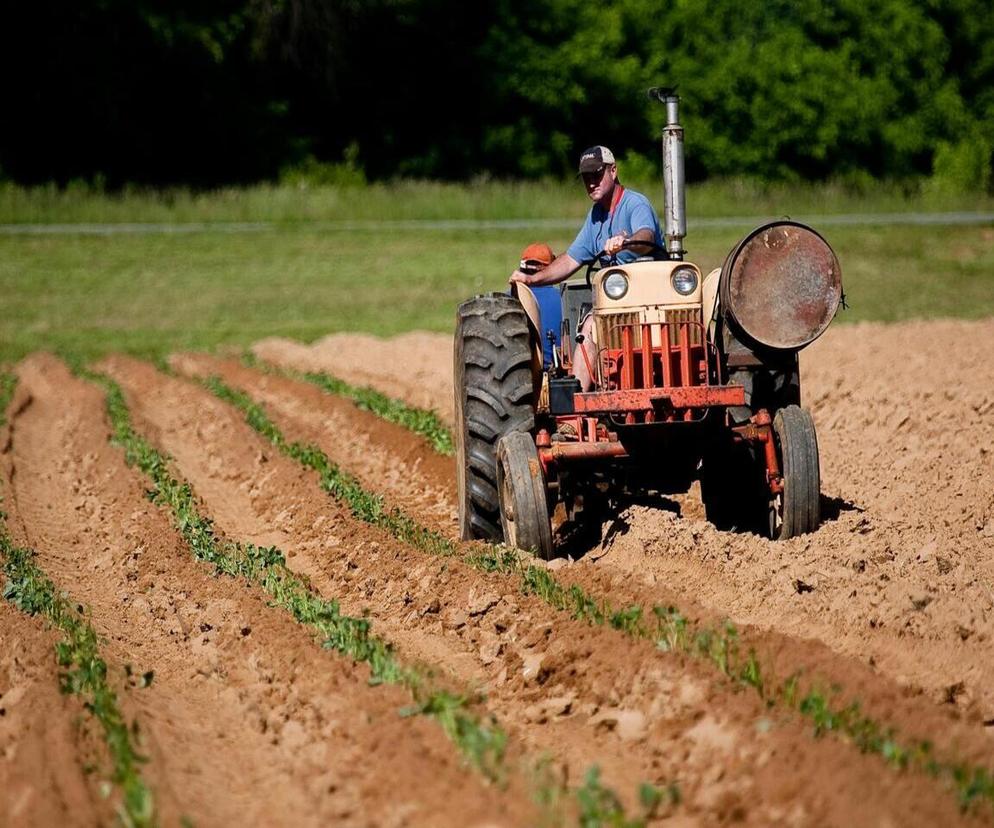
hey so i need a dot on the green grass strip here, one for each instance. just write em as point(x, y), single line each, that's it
point(8, 382)
point(78, 653)
point(425, 423)
point(481, 742)
point(666, 626)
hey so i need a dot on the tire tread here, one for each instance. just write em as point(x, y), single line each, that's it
point(494, 396)
point(795, 430)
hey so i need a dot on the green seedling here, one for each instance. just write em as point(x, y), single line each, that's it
point(599, 807)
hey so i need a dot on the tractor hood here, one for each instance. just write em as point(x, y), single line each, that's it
point(781, 285)
point(647, 284)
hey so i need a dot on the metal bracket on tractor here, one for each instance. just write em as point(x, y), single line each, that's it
point(693, 378)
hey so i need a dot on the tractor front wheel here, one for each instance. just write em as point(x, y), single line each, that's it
point(797, 509)
point(524, 510)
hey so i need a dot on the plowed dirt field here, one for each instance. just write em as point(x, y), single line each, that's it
point(249, 720)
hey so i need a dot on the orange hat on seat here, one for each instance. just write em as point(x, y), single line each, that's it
point(535, 257)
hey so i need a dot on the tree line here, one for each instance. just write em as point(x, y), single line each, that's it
point(234, 91)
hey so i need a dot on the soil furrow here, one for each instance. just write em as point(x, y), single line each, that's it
point(50, 750)
point(548, 675)
point(246, 721)
point(901, 576)
point(407, 366)
point(50, 754)
point(892, 702)
point(387, 457)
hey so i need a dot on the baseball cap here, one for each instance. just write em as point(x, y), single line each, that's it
point(535, 257)
point(595, 159)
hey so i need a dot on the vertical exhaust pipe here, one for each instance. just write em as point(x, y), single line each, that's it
point(674, 199)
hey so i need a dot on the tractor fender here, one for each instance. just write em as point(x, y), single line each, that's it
point(530, 304)
point(709, 301)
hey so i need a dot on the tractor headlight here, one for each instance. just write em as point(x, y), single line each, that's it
point(684, 280)
point(615, 285)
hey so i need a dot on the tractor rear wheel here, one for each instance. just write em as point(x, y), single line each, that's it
point(524, 508)
point(494, 396)
point(797, 509)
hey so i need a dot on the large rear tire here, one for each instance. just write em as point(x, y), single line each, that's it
point(797, 510)
point(524, 508)
point(494, 396)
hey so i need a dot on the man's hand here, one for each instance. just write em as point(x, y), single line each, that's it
point(613, 244)
point(562, 268)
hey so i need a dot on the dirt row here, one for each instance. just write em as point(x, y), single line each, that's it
point(247, 720)
point(901, 575)
point(415, 367)
point(577, 692)
point(44, 753)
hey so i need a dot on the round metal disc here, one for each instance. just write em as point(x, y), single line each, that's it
point(782, 284)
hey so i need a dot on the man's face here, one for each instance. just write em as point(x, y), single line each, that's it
point(600, 184)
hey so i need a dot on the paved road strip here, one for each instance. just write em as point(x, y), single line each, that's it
point(154, 228)
point(133, 228)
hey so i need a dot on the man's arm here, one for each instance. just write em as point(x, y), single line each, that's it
point(561, 269)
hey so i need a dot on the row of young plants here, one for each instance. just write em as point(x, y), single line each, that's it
point(666, 626)
point(425, 423)
point(482, 741)
point(78, 655)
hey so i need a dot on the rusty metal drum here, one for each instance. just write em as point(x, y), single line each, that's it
point(782, 285)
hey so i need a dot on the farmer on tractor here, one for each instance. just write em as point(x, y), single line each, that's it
point(678, 377)
point(617, 215)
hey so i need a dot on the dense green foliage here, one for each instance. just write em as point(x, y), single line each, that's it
point(333, 90)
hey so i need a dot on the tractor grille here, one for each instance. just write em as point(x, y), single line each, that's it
point(690, 315)
point(609, 327)
point(655, 348)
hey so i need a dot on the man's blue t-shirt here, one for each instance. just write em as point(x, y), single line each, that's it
point(631, 214)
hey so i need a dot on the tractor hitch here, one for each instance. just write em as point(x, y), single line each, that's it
point(759, 429)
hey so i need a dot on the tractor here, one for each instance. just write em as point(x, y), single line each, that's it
point(694, 377)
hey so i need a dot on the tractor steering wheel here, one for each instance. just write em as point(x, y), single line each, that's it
point(655, 248)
